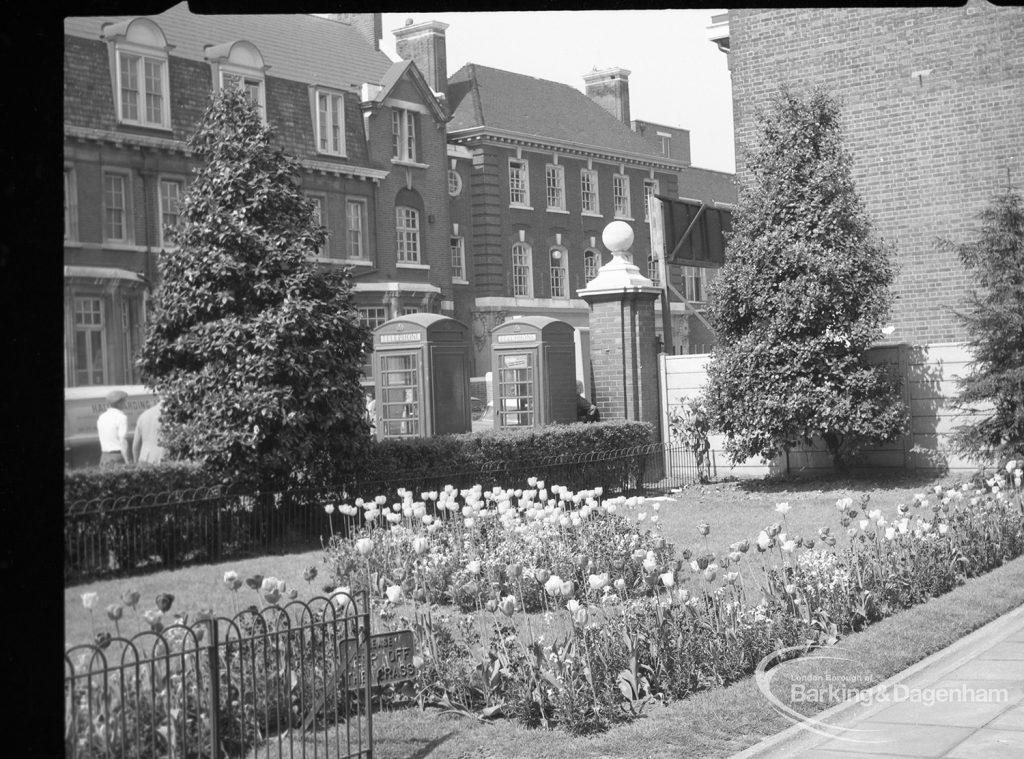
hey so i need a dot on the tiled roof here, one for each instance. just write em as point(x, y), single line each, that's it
point(485, 97)
point(300, 47)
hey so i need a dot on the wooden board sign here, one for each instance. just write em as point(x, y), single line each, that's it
point(390, 660)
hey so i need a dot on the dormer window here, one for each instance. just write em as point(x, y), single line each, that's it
point(141, 83)
point(330, 122)
point(240, 64)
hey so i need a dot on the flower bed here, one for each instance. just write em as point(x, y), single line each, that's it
point(571, 610)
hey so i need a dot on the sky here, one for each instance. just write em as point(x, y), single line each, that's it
point(678, 77)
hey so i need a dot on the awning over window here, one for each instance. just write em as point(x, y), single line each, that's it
point(102, 274)
point(700, 244)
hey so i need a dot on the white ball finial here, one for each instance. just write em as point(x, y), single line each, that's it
point(617, 236)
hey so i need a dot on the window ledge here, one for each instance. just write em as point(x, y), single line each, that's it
point(112, 245)
point(342, 261)
point(459, 281)
point(558, 210)
point(413, 164)
point(406, 265)
point(147, 127)
point(624, 218)
point(328, 154)
point(521, 208)
point(592, 214)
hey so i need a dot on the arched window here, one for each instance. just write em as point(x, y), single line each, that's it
point(559, 287)
point(591, 263)
point(522, 270)
point(407, 228)
point(141, 84)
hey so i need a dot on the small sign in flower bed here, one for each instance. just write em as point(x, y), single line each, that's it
point(560, 608)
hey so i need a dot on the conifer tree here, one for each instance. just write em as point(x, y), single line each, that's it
point(255, 353)
point(993, 388)
point(802, 296)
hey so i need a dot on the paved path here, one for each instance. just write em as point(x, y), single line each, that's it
point(989, 660)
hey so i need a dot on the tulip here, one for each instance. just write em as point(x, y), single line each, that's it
point(507, 606)
point(394, 593)
point(309, 574)
point(704, 529)
point(668, 579)
point(789, 546)
point(270, 591)
point(364, 546)
point(342, 597)
point(329, 509)
point(553, 585)
point(782, 508)
point(542, 576)
point(764, 542)
point(731, 577)
point(155, 619)
point(808, 543)
point(473, 567)
point(598, 581)
point(164, 601)
point(115, 612)
point(791, 589)
point(567, 588)
point(130, 598)
point(491, 606)
point(709, 573)
point(620, 585)
point(420, 545)
point(581, 616)
point(89, 600)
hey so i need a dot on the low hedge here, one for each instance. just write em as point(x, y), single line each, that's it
point(418, 462)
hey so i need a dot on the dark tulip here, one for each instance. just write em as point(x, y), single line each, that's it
point(164, 601)
point(254, 582)
point(103, 639)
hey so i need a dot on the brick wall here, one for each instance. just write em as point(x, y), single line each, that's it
point(928, 152)
point(623, 355)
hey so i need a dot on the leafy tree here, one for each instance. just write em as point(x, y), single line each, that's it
point(993, 388)
point(801, 297)
point(255, 352)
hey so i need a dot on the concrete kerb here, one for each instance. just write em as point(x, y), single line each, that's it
point(797, 738)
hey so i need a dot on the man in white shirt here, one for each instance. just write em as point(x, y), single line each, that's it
point(112, 426)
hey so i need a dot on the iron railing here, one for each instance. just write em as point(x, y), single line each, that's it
point(283, 681)
point(119, 536)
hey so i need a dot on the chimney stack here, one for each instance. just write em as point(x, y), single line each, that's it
point(369, 25)
point(424, 45)
point(609, 88)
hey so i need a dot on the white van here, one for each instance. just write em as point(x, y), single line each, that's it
point(82, 406)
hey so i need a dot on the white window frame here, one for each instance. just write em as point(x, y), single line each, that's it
point(694, 277)
point(522, 270)
point(653, 270)
point(554, 183)
point(325, 122)
point(454, 183)
point(319, 201)
point(620, 196)
point(355, 233)
point(407, 234)
point(518, 183)
point(101, 328)
point(144, 42)
point(372, 317)
point(590, 198)
point(591, 263)
point(559, 273)
point(457, 245)
point(666, 144)
point(651, 188)
point(125, 209)
point(70, 205)
point(162, 210)
point(403, 135)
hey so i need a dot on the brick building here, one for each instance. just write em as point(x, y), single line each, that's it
point(369, 134)
point(933, 108)
point(538, 169)
point(414, 189)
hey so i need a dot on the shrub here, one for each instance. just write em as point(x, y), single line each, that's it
point(801, 298)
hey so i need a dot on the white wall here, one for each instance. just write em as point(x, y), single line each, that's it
point(929, 382)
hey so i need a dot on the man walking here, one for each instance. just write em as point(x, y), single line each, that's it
point(112, 426)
